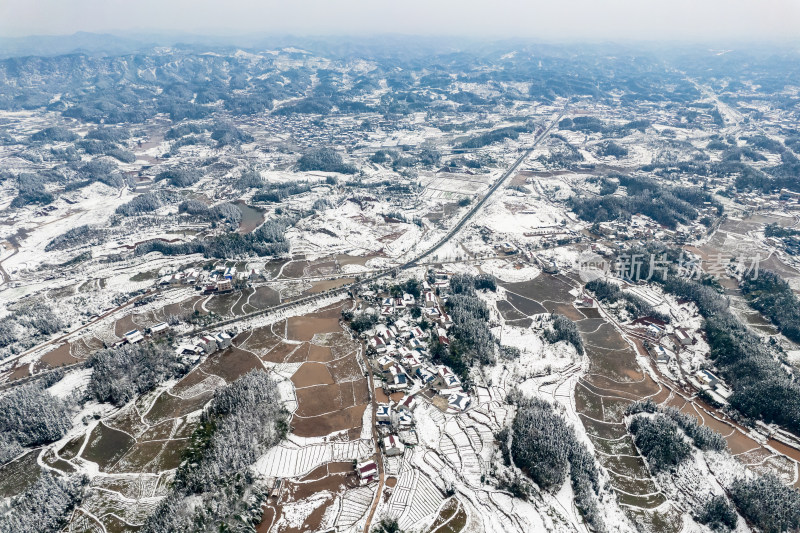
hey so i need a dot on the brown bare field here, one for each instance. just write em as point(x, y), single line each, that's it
point(300, 355)
point(588, 403)
point(560, 308)
point(634, 390)
point(49, 458)
point(185, 428)
point(186, 306)
point(20, 372)
point(508, 311)
point(238, 308)
point(345, 259)
point(662, 396)
point(127, 420)
point(171, 455)
point(159, 431)
point(345, 368)
point(323, 471)
point(269, 516)
point(124, 325)
point(169, 406)
point(320, 354)
point(312, 374)
point(602, 429)
point(525, 305)
point(330, 479)
point(318, 426)
point(590, 312)
point(303, 328)
point(252, 217)
point(380, 395)
point(543, 288)
point(258, 341)
point(280, 353)
point(231, 364)
point(272, 268)
point(784, 449)
point(221, 303)
point(294, 269)
point(58, 357)
point(19, 474)
point(264, 297)
point(106, 446)
point(189, 380)
point(321, 399)
point(139, 458)
point(72, 447)
point(322, 286)
point(322, 267)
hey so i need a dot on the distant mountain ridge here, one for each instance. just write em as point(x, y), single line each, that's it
point(81, 42)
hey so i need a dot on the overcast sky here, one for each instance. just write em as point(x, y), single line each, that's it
point(570, 20)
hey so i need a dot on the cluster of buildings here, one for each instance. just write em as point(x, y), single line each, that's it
point(207, 344)
point(192, 348)
point(668, 345)
point(135, 336)
point(399, 356)
point(783, 200)
point(219, 280)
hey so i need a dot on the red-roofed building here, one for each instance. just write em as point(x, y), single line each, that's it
point(367, 472)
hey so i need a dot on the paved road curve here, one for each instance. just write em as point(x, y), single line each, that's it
point(461, 223)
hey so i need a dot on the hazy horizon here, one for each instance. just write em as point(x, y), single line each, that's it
point(570, 21)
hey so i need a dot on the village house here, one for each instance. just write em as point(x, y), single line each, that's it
point(207, 343)
point(683, 337)
point(383, 413)
point(458, 401)
point(133, 336)
point(707, 378)
point(392, 446)
point(385, 363)
point(276, 489)
point(191, 350)
point(661, 354)
point(403, 420)
point(367, 472)
point(445, 379)
point(159, 329)
point(223, 340)
point(382, 330)
point(653, 331)
point(416, 345)
point(398, 381)
point(411, 363)
point(426, 375)
point(407, 404)
point(430, 299)
point(378, 343)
